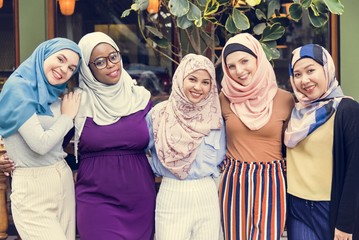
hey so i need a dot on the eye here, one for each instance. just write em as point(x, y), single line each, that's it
point(231, 67)
point(244, 61)
point(297, 75)
point(72, 69)
point(114, 56)
point(206, 83)
point(311, 70)
point(99, 62)
point(61, 60)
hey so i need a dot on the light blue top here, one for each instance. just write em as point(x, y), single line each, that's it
point(210, 154)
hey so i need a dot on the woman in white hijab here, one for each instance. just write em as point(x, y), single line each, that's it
point(115, 192)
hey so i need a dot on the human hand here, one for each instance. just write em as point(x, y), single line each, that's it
point(339, 235)
point(71, 103)
point(6, 165)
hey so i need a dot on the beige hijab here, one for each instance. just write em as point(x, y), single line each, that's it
point(106, 104)
point(179, 125)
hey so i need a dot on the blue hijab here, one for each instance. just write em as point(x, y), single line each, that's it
point(27, 91)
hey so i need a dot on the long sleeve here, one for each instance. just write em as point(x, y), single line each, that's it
point(345, 191)
point(40, 140)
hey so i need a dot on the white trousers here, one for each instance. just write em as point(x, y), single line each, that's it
point(43, 202)
point(187, 209)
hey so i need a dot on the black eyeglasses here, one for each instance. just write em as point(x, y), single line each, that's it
point(101, 62)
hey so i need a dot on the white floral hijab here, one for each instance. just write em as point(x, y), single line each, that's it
point(179, 125)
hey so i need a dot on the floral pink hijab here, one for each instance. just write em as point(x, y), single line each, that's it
point(179, 125)
point(253, 103)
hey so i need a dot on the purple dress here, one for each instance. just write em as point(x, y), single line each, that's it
point(115, 188)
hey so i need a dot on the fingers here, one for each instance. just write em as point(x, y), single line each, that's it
point(6, 165)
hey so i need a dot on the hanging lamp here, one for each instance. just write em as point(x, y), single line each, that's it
point(153, 6)
point(67, 7)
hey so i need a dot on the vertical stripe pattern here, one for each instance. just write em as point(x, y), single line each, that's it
point(253, 200)
point(43, 202)
point(187, 209)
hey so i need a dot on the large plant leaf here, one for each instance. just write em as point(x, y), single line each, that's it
point(335, 6)
point(212, 7)
point(296, 11)
point(321, 6)
point(183, 22)
point(253, 2)
point(306, 3)
point(316, 18)
point(260, 15)
point(194, 12)
point(273, 5)
point(230, 26)
point(178, 8)
point(126, 13)
point(258, 29)
point(154, 31)
point(240, 20)
point(271, 33)
point(271, 52)
point(202, 2)
point(161, 42)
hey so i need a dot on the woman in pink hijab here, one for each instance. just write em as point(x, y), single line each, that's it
point(252, 189)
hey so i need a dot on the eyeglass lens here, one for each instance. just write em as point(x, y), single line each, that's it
point(101, 62)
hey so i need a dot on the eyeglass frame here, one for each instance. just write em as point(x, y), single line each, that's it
point(107, 59)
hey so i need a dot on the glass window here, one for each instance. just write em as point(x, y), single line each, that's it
point(7, 41)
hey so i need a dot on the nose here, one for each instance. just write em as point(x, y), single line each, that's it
point(305, 79)
point(239, 70)
point(109, 63)
point(197, 85)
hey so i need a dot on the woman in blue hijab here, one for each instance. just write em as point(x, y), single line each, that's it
point(33, 123)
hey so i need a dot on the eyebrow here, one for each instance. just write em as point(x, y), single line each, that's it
point(63, 56)
point(310, 65)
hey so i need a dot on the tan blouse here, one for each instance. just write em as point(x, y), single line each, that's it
point(261, 145)
point(310, 164)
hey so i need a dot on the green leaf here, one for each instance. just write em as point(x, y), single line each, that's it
point(178, 8)
point(126, 13)
point(296, 11)
point(260, 15)
point(161, 42)
point(271, 52)
point(240, 20)
point(320, 6)
point(154, 31)
point(253, 3)
point(316, 18)
point(212, 7)
point(306, 3)
point(335, 6)
point(230, 26)
point(258, 29)
point(194, 12)
point(143, 4)
point(198, 22)
point(202, 2)
point(135, 7)
point(273, 32)
point(183, 22)
point(272, 6)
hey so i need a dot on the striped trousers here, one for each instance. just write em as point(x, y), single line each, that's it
point(188, 210)
point(253, 200)
point(43, 202)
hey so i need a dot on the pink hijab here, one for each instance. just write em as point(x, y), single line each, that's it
point(253, 104)
point(179, 125)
